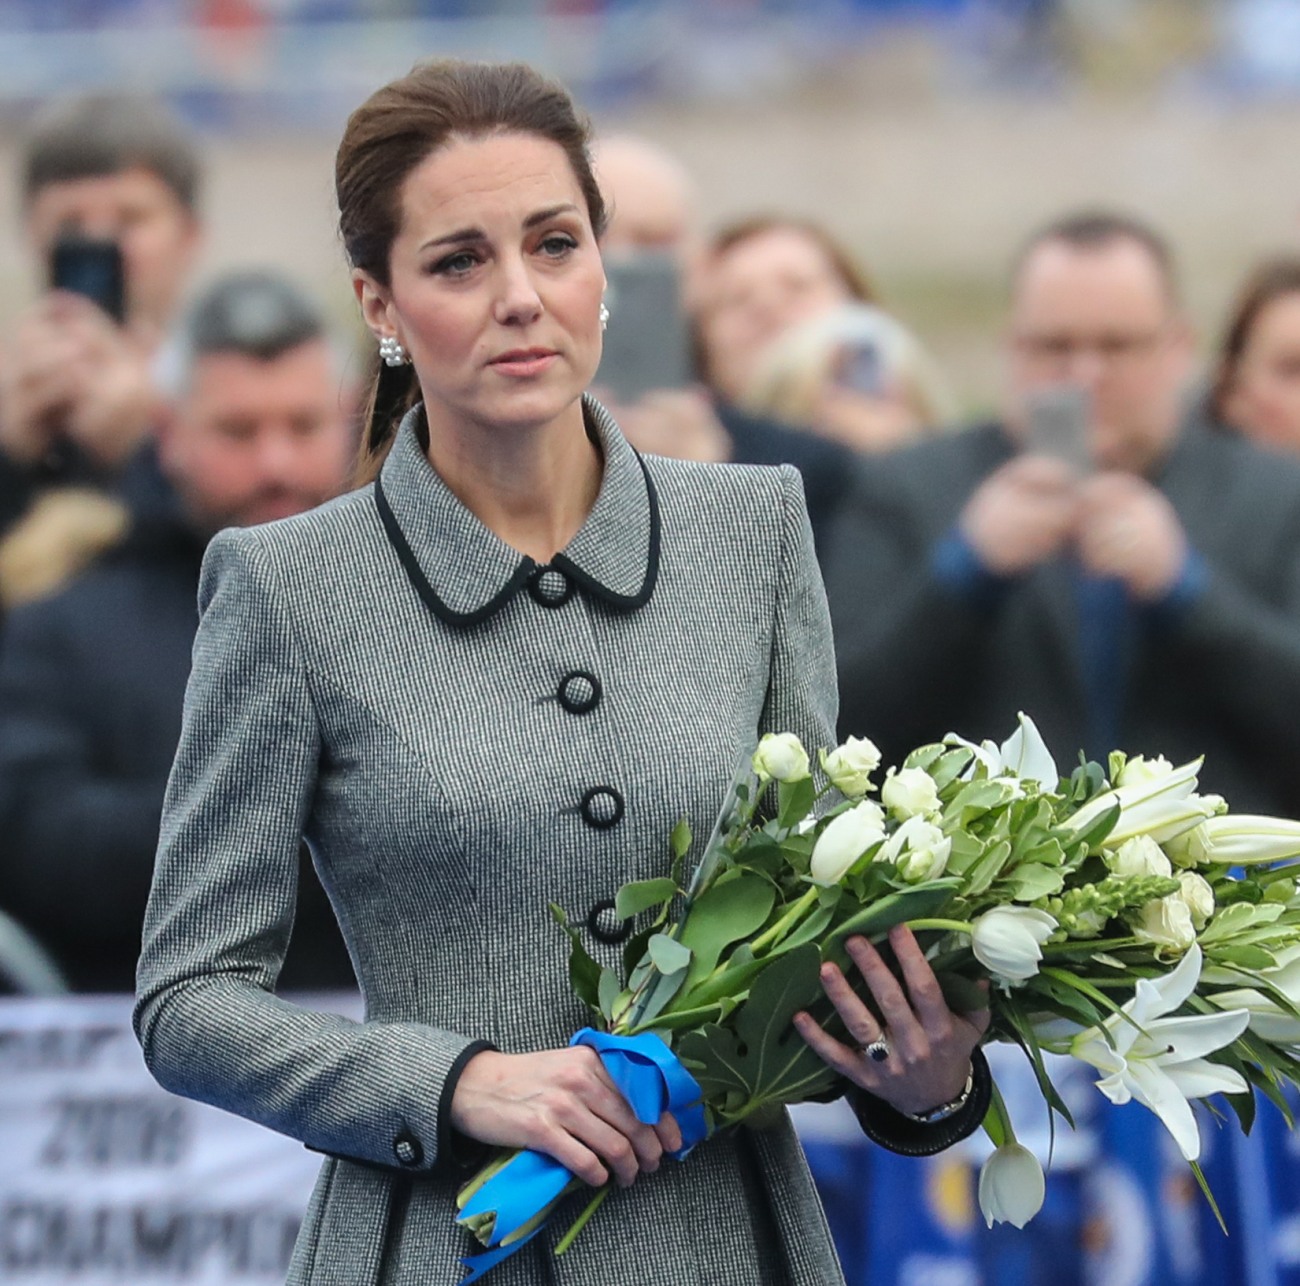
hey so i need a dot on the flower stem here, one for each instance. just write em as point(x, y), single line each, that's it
point(930, 922)
point(581, 1221)
point(787, 922)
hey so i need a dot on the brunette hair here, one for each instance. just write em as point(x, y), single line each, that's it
point(847, 268)
point(94, 135)
point(391, 133)
point(1272, 279)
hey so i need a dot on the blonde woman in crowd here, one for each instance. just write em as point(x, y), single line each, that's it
point(854, 375)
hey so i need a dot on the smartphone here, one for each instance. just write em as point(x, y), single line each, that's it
point(91, 268)
point(859, 368)
point(647, 341)
point(1057, 425)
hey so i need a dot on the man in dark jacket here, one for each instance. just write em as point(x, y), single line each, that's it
point(92, 676)
point(1149, 601)
point(80, 389)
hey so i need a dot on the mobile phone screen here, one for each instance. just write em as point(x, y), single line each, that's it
point(91, 268)
point(647, 342)
point(1057, 424)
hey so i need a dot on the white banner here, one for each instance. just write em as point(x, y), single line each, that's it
point(106, 1179)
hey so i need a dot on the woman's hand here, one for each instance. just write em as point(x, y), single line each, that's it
point(561, 1102)
point(929, 1046)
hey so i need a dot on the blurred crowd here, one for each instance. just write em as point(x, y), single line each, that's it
point(1117, 552)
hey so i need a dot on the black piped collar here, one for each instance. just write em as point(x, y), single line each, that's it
point(464, 572)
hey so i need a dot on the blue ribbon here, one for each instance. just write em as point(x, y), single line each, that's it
point(649, 1075)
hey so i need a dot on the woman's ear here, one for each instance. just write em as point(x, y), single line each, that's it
point(375, 301)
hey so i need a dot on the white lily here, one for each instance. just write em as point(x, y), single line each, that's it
point(1162, 807)
point(1024, 754)
point(1240, 839)
point(1159, 1060)
point(1011, 1186)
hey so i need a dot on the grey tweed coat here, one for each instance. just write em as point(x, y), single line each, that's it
point(462, 737)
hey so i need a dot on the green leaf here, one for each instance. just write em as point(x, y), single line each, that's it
point(680, 839)
point(658, 995)
point(757, 1058)
point(988, 868)
point(1244, 957)
point(961, 994)
point(919, 902)
point(1232, 921)
point(641, 895)
point(726, 913)
point(584, 972)
point(667, 954)
point(950, 766)
point(608, 990)
point(794, 801)
point(924, 756)
point(1033, 880)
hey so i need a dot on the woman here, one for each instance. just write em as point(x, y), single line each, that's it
point(1257, 384)
point(856, 376)
point(492, 679)
point(760, 278)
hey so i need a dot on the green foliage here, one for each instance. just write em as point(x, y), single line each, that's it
point(584, 972)
point(731, 910)
point(759, 1058)
point(641, 895)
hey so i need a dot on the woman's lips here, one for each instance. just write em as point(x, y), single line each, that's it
point(524, 361)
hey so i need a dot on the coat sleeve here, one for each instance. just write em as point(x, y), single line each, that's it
point(222, 906)
point(801, 693)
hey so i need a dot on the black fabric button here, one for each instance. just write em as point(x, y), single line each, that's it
point(549, 587)
point(408, 1149)
point(579, 692)
point(605, 926)
point(602, 807)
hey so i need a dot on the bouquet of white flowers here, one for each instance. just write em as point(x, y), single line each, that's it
point(1120, 917)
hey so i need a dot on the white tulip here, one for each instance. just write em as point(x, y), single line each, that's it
point(849, 767)
point(918, 849)
point(781, 757)
point(1011, 1187)
point(910, 792)
point(1140, 855)
point(1008, 940)
point(844, 840)
point(1163, 807)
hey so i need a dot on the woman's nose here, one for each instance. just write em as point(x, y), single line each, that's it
point(517, 301)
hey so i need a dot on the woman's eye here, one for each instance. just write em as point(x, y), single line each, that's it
point(557, 245)
point(456, 265)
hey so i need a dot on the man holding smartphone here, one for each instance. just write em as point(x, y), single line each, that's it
point(109, 186)
point(1134, 582)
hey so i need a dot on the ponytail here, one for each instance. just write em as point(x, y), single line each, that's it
point(393, 391)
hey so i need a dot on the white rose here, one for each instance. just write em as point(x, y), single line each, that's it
point(781, 757)
point(1008, 940)
point(849, 767)
point(1195, 890)
point(909, 792)
point(1140, 769)
point(1140, 855)
point(1191, 848)
point(1011, 1187)
point(918, 850)
point(844, 840)
point(1167, 922)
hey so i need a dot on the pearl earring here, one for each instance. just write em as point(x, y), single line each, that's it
point(604, 316)
point(392, 352)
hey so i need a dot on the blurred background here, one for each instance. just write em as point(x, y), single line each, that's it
point(930, 135)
